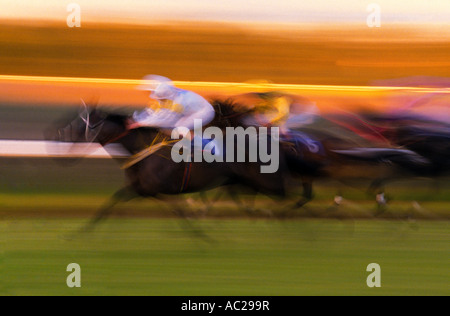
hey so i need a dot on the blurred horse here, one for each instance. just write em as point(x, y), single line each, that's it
point(363, 151)
point(340, 147)
point(424, 136)
point(431, 139)
point(304, 155)
point(157, 175)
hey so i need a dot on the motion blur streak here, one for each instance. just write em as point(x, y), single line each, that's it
point(239, 87)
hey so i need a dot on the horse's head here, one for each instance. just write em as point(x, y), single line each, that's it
point(92, 125)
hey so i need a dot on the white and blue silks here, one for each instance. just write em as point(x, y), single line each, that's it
point(177, 107)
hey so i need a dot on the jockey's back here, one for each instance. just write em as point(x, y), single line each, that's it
point(174, 107)
point(186, 102)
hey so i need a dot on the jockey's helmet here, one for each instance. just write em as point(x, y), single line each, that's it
point(161, 87)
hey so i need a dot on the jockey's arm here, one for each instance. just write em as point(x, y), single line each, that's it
point(187, 106)
point(282, 105)
point(196, 107)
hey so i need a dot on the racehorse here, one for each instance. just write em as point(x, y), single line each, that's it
point(314, 152)
point(431, 139)
point(369, 152)
point(304, 155)
point(428, 138)
point(157, 175)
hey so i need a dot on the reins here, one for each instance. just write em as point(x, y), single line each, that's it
point(154, 147)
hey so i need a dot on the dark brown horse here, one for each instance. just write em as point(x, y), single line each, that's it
point(337, 151)
point(303, 162)
point(157, 175)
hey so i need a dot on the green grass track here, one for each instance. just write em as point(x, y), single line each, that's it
point(161, 257)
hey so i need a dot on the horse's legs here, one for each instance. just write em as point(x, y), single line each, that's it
point(377, 188)
point(209, 203)
point(307, 196)
point(232, 193)
point(123, 195)
point(177, 205)
point(249, 209)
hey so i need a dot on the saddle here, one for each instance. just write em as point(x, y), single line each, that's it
point(302, 143)
point(158, 142)
point(161, 140)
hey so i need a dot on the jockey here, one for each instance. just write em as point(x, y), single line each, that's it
point(278, 109)
point(287, 112)
point(175, 107)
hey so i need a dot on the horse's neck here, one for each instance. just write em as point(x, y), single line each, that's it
point(137, 140)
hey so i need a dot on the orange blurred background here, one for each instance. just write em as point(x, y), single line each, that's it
point(324, 50)
point(213, 52)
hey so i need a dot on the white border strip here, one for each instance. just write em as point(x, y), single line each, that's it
point(49, 149)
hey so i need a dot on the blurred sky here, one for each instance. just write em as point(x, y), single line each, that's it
point(289, 11)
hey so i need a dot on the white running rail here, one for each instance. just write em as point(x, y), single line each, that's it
point(38, 149)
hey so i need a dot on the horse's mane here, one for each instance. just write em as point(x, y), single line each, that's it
point(120, 119)
point(229, 113)
point(116, 118)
